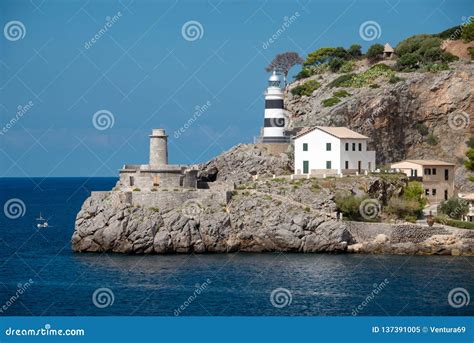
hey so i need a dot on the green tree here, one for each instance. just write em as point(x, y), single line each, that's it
point(336, 64)
point(467, 33)
point(470, 142)
point(469, 164)
point(355, 51)
point(408, 61)
point(374, 53)
point(455, 208)
point(415, 191)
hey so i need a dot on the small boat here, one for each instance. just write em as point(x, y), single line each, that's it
point(42, 222)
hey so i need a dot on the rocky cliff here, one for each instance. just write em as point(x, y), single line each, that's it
point(396, 115)
point(265, 215)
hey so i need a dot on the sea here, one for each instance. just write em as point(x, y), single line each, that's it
point(41, 276)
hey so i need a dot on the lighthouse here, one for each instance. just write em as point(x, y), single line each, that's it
point(274, 124)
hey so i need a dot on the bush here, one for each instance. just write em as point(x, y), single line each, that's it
point(306, 88)
point(410, 219)
point(342, 81)
point(394, 79)
point(336, 64)
point(347, 67)
point(374, 85)
point(408, 62)
point(471, 52)
point(136, 189)
point(455, 208)
point(355, 51)
point(470, 143)
point(375, 52)
point(451, 33)
point(341, 94)
point(330, 102)
point(303, 74)
point(467, 33)
point(435, 67)
point(456, 223)
point(422, 129)
point(403, 207)
point(432, 139)
point(349, 205)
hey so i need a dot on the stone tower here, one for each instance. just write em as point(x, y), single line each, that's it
point(274, 124)
point(158, 148)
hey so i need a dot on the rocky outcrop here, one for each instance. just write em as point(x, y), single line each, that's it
point(255, 221)
point(242, 161)
point(392, 114)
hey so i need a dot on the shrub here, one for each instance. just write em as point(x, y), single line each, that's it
point(375, 52)
point(341, 94)
point(422, 129)
point(324, 55)
point(342, 81)
point(410, 219)
point(374, 85)
point(435, 67)
point(471, 52)
point(455, 208)
point(456, 223)
point(467, 33)
point(451, 33)
point(471, 178)
point(432, 139)
point(306, 88)
point(335, 64)
point(155, 209)
point(349, 205)
point(347, 67)
point(330, 102)
point(136, 189)
point(153, 189)
point(470, 143)
point(355, 51)
point(394, 79)
point(408, 62)
point(303, 74)
point(403, 207)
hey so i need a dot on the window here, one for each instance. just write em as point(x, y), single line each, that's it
point(427, 171)
point(305, 146)
point(346, 165)
point(353, 147)
point(347, 146)
point(305, 167)
point(360, 146)
point(446, 174)
point(328, 146)
point(446, 195)
point(328, 164)
point(427, 192)
point(433, 191)
point(433, 171)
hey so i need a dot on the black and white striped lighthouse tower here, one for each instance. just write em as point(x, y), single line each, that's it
point(274, 124)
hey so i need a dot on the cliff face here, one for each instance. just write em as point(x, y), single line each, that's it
point(392, 113)
point(267, 215)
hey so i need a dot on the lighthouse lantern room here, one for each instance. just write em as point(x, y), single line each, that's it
point(274, 123)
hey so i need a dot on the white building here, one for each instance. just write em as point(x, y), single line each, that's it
point(332, 150)
point(469, 217)
point(274, 123)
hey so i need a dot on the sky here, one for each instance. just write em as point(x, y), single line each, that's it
point(82, 83)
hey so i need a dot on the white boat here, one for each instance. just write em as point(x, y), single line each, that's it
point(42, 222)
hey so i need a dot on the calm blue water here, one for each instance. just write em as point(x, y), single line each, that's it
point(240, 284)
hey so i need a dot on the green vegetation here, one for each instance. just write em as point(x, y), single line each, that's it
point(375, 53)
point(136, 189)
point(432, 139)
point(341, 94)
point(330, 102)
point(374, 85)
point(342, 81)
point(467, 33)
point(470, 143)
point(337, 59)
point(394, 79)
point(347, 67)
point(456, 223)
point(306, 88)
point(312, 70)
point(364, 79)
point(155, 209)
point(422, 129)
point(455, 208)
point(410, 204)
point(153, 189)
point(410, 219)
point(421, 50)
point(349, 205)
point(471, 52)
point(469, 164)
point(315, 188)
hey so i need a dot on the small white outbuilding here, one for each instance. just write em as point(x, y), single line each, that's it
point(332, 150)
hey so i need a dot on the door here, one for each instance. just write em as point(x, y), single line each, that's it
point(359, 166)
point(305, 167)
point(132, 181)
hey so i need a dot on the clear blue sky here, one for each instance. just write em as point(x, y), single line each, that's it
point(148, 76)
